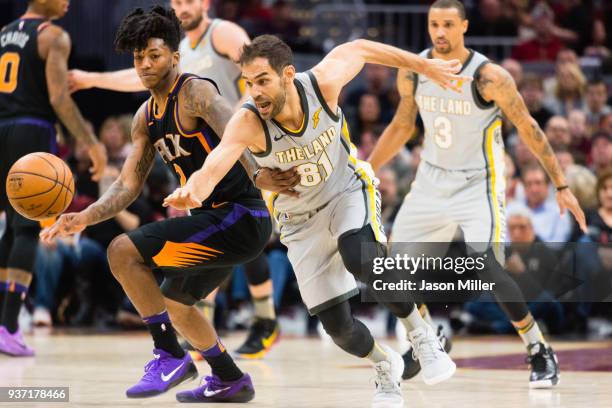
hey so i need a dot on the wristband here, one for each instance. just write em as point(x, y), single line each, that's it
point(256, 174)
point(561, 188)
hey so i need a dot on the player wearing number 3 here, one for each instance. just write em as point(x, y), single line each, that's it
point(460, 181)
point(294, 120)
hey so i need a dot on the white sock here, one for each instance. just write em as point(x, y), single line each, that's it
point(413, 320)
point(377, 354)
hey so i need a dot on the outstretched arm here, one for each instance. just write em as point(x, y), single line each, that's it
point(401, 128)
point(240, 132)
point(125, 80)
point(121, 193)
point(345, 61)
point(57, 42)
point(495, 84)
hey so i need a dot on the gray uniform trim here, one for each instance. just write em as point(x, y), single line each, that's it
point(332, 302)
point(478, 99)
point(265, 128)
point(317, 90)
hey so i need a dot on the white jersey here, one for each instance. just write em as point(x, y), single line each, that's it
point(202, 59)
point(462, 131)
point(321, 150)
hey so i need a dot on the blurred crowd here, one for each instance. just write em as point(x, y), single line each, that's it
point(73, 284)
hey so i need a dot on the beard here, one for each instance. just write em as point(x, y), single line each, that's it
point(278, 104)
point(192, 24)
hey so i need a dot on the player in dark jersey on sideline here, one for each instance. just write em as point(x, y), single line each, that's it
point(33, 95)
point(183, 120)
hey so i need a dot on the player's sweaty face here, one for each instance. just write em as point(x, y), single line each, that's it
point(154, 63)
point(446, 29)
point(189, 12)
point(265, 86)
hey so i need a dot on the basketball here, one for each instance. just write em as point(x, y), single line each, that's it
point(39, 186)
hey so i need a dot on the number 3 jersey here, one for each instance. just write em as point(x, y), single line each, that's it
point(23, 85)
point(320, 149)
point(462, 130)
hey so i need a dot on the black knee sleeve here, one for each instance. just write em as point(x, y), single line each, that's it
point(348, 333)
point(257, 271)
point(358, 250)
point(22, 254)
point(507, 291)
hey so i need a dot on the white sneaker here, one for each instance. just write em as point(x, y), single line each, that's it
point(436, 365)
point(388, 377)
point(42, 317)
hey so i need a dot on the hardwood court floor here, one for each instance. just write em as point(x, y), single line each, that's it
point(304, 373)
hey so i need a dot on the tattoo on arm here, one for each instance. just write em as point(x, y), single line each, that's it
point(134, 172)
point(56, 72)
point(502, 89)
point(202, 100)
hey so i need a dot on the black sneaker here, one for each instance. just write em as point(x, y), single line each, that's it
point(262, 335)
point(412, 366)
point(544, 366)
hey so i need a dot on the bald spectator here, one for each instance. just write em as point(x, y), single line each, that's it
point(532, 90)
point(557, 133)
point(514, 68)
point(596, 103)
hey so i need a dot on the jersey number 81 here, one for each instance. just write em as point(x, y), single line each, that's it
point(311, 172)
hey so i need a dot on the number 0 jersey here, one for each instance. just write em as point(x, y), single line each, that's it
point(23, 85)
point(320, 149)
point(462, 130)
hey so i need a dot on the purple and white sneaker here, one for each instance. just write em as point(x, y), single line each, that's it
point(14, 344)
point(213, 389)
point(162, 373)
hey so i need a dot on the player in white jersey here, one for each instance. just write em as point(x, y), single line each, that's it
point(332, 229)
point(209, 50)
point(460, 181)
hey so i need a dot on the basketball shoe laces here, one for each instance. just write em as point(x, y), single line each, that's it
point(383, 377)
point(151, 369)
point(425, 349)
point(212, 383)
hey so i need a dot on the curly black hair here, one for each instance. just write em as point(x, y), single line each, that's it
point(139, 26)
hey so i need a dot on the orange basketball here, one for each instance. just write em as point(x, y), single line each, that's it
point(39, 186)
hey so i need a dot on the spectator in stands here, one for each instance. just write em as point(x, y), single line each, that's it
point(367, 118)
point(523, 156)
point(558, 133)
point(565, 158)
point(606, 125)
point(489, 20)
point(601, 153)
point(368, 141)
point(582, 182)
point(574, 23)
point(532, 91)
point(596, 103)
point(598, 47)
point(514, 68)
point(514, 186)
point(599, 221)
point(115, 134)
point(548, 225)
point(377, 81)
point(569, 90)
point(546, 45)
point(581, 138)
point(533, 267)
